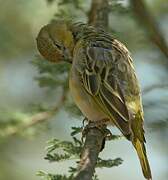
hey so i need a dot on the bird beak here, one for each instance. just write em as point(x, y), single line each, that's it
point(67, 55)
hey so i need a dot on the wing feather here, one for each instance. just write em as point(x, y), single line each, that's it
point(108, 96)
point(91, 82)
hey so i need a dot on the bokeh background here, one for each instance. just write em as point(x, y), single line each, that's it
point(21, 148)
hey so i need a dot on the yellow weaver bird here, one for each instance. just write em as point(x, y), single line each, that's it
point(102, 80)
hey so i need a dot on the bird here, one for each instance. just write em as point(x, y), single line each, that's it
point(102, 79)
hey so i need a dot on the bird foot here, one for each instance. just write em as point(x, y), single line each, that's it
point(101, 125)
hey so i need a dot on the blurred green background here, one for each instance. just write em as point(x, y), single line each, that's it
point(22, 154)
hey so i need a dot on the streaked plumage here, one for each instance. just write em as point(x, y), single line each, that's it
point(103, 82)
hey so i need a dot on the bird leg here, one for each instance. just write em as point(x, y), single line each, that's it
point(101, 126)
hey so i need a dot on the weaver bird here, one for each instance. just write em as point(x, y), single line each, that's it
point(102, 80)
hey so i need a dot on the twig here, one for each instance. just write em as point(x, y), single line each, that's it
point(142, 12)
point(98, 17)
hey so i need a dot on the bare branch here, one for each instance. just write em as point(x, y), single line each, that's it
point(39, 117)
point(98, 15)
point(144, 16)
point(153, 87)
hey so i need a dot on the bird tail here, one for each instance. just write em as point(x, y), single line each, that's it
point(141, 151)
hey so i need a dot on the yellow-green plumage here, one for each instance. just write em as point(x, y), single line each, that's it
point(141, 151)
point(103, 82)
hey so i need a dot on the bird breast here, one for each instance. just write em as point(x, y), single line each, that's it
point(83, 100)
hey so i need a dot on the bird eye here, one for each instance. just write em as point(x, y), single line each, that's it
point(58, 46)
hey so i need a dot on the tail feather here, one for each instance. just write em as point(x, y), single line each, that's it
point(141, 151)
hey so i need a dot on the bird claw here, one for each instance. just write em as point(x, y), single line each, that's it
point(101, 125)
point(108, 134)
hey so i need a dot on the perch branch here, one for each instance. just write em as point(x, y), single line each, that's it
point(98, 17)
point(142, 13)
point(89, 155)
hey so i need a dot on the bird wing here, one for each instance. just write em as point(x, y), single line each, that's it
point(101, 80)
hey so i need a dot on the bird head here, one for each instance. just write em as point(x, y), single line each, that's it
point(55, 42)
